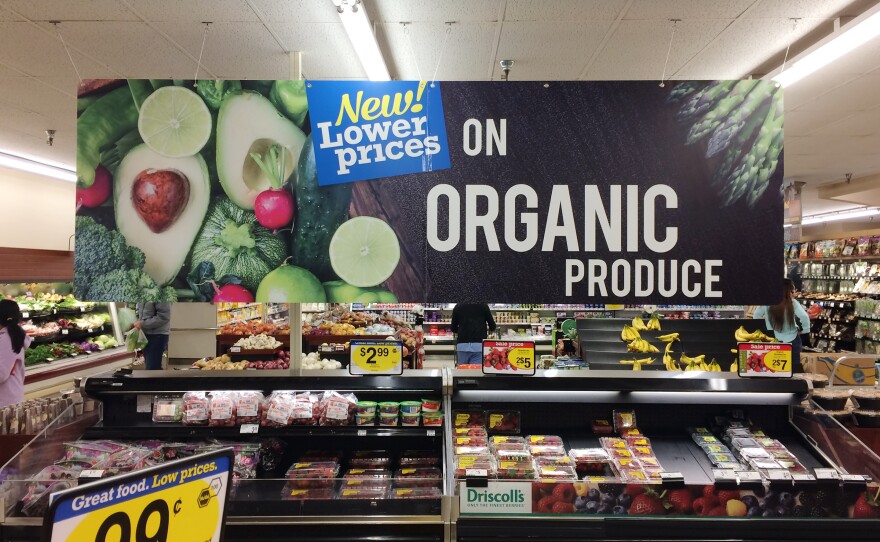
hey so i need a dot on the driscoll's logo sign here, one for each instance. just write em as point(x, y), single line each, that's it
point(479, 496)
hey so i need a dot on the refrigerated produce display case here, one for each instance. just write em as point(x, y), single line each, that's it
point(607, 455)
point(330, 478)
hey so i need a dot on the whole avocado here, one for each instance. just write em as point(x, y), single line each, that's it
point(319, 211)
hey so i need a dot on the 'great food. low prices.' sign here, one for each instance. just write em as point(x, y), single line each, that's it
point(352, 191)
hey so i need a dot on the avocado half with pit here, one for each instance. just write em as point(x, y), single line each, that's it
point(249, 123)
point(160, 205)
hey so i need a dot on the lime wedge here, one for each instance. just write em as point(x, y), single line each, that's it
point(174, 122)
point(364, 251)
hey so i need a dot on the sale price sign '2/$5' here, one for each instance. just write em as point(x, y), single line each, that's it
point(508, 357)
point(373, 357)
point(180, 501)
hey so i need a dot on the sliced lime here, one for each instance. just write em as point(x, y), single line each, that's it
point(364, 251)
point(174, 122)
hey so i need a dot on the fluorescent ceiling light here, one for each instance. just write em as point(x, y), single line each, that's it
point(863, 29)
point(786, 226)
point(40, 168)
point(840, 215)
point(360, 33)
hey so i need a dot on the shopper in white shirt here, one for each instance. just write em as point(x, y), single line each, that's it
point(787, 319)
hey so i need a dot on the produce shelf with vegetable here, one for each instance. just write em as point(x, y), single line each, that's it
point(609, 455)
point(298, 461)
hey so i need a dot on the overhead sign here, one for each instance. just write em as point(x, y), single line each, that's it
point(508, 357)
point(385, 192)
point(766, 360)
point(179, 501)
point(374, 357)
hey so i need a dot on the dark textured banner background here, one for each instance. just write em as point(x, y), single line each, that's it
point(578, 133)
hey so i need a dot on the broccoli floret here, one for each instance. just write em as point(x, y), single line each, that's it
point(129, 285)
point(100, 251)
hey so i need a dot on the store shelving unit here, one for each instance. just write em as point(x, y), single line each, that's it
point(232, 313)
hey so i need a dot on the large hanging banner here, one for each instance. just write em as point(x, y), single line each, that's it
point(340, 191)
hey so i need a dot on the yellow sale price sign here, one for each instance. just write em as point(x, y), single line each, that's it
point(376, 357)
point(508, 357)
point(766, 360)
point(182, 501)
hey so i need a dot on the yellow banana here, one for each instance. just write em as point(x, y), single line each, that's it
point(629, 334)
point(651, 348)
point(654, 324)
point(734, 367)
point(668, 338)
point(639, 324)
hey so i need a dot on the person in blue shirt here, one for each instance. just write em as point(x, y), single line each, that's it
point(787, 320)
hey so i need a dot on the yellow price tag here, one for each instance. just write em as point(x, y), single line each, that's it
point(376, 357)
point(765, 360)
point(508, 357)
point(522, 358)
point(182, 500)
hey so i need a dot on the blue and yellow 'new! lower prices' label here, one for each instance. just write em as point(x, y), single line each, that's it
point(183, 504)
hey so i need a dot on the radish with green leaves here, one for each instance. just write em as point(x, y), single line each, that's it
point(273, 207)
point(231, 293)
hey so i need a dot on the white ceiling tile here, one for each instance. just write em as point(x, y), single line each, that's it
point(395, 11)
point(327, 51)
point(687, 9)
point(564, 51)
point(195, 10)
point(36, 96)
point(472, 41)
point(72, 10)
point(232, 50)
point(862, 123)
point(30, 50)
point(563, 10)
point(804, 9)
point(299, 11)
point(858, 95)
point(637, 50)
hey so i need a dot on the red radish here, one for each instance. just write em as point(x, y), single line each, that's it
point(274, 207)
point(98, 193)
point(231, 293)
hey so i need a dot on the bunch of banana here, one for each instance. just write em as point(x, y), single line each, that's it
point(629, 333)
point(639, 324)
point(734, 367)
point(713, 366)
point(641, 345)
point(637, 363)
point(697, 363)
point(669, 362)
point(756, 336)
point(654, 324)
point(669, 337)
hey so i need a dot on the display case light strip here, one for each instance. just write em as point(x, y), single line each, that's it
point(641, 397)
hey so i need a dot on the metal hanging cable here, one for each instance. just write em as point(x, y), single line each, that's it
point(442, 50)
point(66, 50)
point(412, 52)
point(794, 23)
point(668, 52)
point(202, 50)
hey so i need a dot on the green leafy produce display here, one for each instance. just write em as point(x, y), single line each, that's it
point(740, 123)
point(214, 183)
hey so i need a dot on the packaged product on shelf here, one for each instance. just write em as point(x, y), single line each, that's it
point(431, 405)
point(602, 427)
point(418, 477)
point(222, 409)
point(624, 419)
point(123, 461)
point(304, 410)
point(416, 493)
point(419, 458)
point(557, 473)
point(167, 409)
point(196, 408)
point(411, 407)
point(90, 451)
point(366, 407)
point(367, 474)
point(503, 422)
point(500, 442)
point(370, 459)
point(389, 407)
point(389, 420)
point(290, 492)
point(279, 409)
point(544, 440)
point(470, 432)
point(313, 475)
point(469, 418)
point(554, 461)
point(248, 406)
point(336, 409)
point(321, 456)
point(471, 450)
point(410, 420)
point(432, 419)
point(365, 420)
point(368, 493)
point(358, 483)
point(547, 450)
point(178, 450)
point(464, 463)
point(470, 441)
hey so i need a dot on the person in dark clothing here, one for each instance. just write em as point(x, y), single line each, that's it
point(470, 323)
point(154, 319)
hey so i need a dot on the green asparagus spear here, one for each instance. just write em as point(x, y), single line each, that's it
point(726, 109)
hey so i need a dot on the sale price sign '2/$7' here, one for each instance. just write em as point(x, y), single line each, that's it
point(180, 501)
point(374, 357)
point(508, 357)
point(764, 360)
